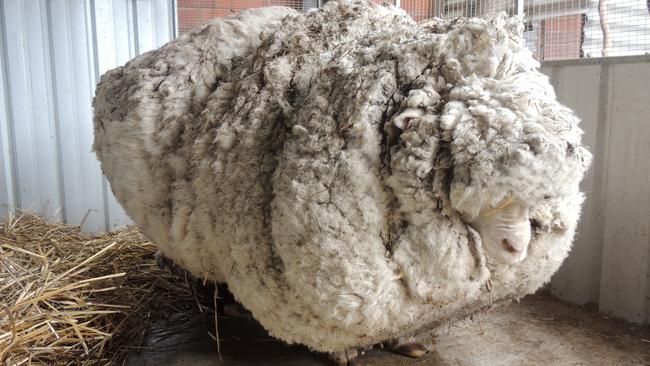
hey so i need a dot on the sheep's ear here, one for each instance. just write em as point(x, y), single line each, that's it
point(403, 119)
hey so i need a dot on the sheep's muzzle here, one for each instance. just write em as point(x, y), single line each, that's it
point(505, 231)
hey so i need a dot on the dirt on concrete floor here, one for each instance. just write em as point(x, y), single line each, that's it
point(538, 331)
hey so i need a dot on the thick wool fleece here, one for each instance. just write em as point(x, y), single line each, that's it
point(323, 164)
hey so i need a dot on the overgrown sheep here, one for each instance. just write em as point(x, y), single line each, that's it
point(353, 176)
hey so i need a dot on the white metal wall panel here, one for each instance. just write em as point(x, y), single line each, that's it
point(73, 77)
point(610, 260)
point(7, 185)
point(575, 281)
point(147, 26)
point(51, 56)
point(114, 28)
point(626, 245)
point(35, 128)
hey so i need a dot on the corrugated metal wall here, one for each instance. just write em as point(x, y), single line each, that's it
point(52, 53)
point(610, 261)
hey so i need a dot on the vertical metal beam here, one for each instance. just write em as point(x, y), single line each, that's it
point(136, 29)
point(311, 4)
point(438, 5)
point(519, 7)
point(8, 166)
point(542, 40)
point(55, 112)
point(173, 19)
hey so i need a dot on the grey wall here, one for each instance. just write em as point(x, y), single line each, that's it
point(52, 53)
point(610, 261)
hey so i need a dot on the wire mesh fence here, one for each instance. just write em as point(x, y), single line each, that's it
point(554, 29)
point(587, 28)
point(192, 13)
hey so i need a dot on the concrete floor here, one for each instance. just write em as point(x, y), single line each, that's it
point(539, 331)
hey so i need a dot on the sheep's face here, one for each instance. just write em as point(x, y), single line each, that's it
point(504, 231)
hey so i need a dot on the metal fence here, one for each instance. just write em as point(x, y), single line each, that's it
point(587, 28)
point(555, 29)
point(192, 13)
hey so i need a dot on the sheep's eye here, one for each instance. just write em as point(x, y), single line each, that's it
point(535, 225)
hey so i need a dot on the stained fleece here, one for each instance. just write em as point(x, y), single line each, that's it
point(324, 164)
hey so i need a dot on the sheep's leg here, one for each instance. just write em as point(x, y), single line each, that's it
point(204, 292)
point(236, 310)
point(407, 347)
point(345, 358)
point(165, 263)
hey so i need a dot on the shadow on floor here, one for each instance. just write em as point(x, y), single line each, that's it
point(539, 331)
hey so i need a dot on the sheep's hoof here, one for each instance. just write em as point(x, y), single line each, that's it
point(345, 358)
point(236, 310)
point(203, 293)
point(409, 349)
point(165, 263)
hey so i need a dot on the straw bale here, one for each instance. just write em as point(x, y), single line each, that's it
point(71, 298)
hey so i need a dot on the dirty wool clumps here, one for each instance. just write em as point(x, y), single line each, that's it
point(325, 165)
